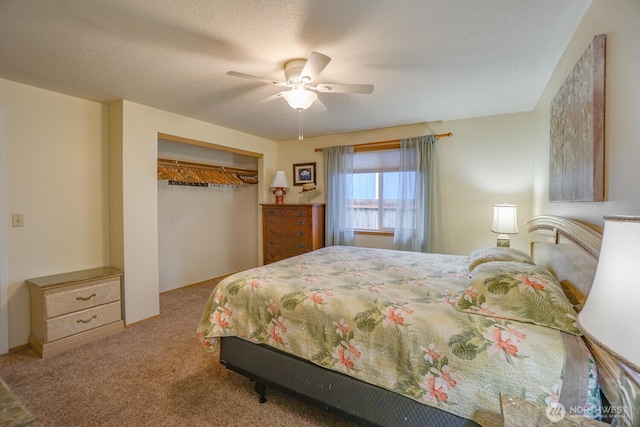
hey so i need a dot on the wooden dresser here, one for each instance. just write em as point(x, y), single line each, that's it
point(71, 309)
point(290, 230)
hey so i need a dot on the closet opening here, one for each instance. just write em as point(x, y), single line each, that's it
point(207, 211)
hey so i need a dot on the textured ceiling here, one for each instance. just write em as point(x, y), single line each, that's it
point(428, 59)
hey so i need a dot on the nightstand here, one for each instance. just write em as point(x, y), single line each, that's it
point(74, 308)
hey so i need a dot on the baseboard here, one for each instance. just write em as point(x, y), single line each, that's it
point(45, 350)
point(208, 282)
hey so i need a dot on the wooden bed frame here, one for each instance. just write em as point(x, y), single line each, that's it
point(569, 249)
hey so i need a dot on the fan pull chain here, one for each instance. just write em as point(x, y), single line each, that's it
point(300, 137)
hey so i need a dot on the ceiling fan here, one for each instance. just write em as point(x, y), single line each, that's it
point(300, 75)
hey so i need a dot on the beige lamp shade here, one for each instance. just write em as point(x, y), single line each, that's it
point(611, 314)
point(279, 180)
point(505, 219)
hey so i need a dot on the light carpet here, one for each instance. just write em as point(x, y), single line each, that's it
point(155, 373)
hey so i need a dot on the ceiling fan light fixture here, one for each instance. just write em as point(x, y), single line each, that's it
point(300, 99)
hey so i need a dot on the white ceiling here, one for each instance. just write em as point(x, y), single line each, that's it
point(429, 60)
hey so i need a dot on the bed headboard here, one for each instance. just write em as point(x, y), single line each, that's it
point(569, 249)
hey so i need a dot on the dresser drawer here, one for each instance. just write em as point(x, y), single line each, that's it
point(80, 296)
point(299, 229)
point(288, 221)
point(270, 257)
point(290, 246)
point(84, 320)
point(286, 212)
point(291, 232)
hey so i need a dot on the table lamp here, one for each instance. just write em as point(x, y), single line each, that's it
point(279, 184)
point(505, 221)
point(611, 313)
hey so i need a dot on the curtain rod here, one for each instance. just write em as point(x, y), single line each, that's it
point(385, 145)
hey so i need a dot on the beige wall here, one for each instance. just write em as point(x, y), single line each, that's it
point(56, 174)
point(84, 176)
point(619, 19)
point(204, 232)
point(134, 220)
point(486, 161)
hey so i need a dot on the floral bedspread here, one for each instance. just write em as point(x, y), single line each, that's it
point(391, 321)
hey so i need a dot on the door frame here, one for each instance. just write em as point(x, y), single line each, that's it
point(4, 299)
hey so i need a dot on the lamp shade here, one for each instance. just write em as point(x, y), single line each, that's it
point(611, 313)
point(279, 180)
point(505, 219)
point(300, 99)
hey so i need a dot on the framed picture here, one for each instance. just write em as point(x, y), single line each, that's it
point(304, 173)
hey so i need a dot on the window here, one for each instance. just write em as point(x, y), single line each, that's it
point(375, 190)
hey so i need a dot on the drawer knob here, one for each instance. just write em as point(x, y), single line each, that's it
point(85, 299)
point(87, 321)
point(301, 245)
point(300, 222)
point(271, 221)
point(272, 242)
point(301, 213)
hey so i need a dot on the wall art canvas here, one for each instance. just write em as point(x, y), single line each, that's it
point(576, 161)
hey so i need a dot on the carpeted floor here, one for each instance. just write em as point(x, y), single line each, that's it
point(155, 373)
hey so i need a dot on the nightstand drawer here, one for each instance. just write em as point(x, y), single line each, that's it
point(79, 297)
point(80, 321)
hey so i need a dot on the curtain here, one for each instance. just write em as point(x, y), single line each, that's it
point(338, 175)
point(418, 210)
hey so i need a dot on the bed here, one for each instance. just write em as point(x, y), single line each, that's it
point(401, 338)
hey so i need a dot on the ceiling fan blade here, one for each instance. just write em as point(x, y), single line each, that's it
point(344, 88)
point(318, 106)
point(314, 66)
point(252, 77)
point(268, 98)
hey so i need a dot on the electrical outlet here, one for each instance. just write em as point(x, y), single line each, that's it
point(17, 220)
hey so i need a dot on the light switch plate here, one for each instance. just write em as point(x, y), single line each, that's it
point(17, 220)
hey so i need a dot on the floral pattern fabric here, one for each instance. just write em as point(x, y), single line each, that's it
point(517, 291)
point(481, 256)
point(389, 318)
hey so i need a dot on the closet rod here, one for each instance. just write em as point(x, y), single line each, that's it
point(385, 145)
point(182, 172)
point(173, 162)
